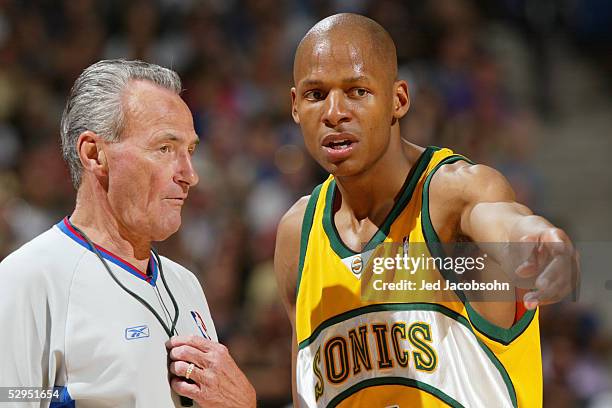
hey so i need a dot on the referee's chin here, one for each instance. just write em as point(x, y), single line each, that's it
point(165, 227)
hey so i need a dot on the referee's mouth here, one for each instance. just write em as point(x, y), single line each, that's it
point(176, 200)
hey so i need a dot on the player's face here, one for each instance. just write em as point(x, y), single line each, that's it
point(343, 101)
point(150, 169)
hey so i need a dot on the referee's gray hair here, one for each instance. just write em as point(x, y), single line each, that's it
point(94, 103)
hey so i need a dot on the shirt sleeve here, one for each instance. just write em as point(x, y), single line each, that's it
point(25, 322)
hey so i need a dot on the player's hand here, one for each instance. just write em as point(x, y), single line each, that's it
point(217, 380)
point(551, 259)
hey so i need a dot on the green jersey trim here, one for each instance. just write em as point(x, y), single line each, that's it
point(488, 329)
point(408, 382)
point(306, 227)
point(404, 195)
point(495, 332)
point(415, 306)
point(380, 307)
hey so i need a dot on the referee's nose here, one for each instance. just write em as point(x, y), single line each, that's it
point(185, 173)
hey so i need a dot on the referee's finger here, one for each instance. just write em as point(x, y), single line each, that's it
point(198, 342)
point(188, 354)
point(179, 368)
point(184, 387)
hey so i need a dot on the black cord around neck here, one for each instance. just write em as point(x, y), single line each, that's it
point(170, 331)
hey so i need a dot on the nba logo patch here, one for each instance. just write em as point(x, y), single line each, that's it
point(200, 323)
point(405, 243)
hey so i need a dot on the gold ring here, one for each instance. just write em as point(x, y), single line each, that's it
point(189, 371)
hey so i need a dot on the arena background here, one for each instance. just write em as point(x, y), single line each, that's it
point(521, 85)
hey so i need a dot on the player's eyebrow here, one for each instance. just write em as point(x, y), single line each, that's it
point(348, 80)
point(352, 80)
point(312, 82)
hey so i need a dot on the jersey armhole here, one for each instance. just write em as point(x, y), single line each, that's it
point(481, 324)
point(305, 234)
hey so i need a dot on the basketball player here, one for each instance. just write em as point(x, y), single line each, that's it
point(349, 352)
point(88, 306)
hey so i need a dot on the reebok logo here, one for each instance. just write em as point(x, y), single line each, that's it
point(136, 332)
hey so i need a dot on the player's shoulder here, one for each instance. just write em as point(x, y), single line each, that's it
point(291, 222)
point(463, 169)
point(465, 181)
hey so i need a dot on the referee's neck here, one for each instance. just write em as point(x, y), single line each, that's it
point(96, 219)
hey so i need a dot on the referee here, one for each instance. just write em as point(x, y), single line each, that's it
point(89, 308)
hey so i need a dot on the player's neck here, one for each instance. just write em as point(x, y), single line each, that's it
point(372, 194)
point(93, 215)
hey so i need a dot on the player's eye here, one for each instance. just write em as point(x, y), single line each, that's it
point(314, 95)
point(192, 149)
point(164, 149)
point(359, 92)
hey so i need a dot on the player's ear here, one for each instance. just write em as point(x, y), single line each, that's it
point(401, 99)
point(294, 112)
point(92, 157)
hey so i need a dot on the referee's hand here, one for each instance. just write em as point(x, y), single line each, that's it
point(217, 380)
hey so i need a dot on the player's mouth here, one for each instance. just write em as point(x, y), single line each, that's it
point(339, 146)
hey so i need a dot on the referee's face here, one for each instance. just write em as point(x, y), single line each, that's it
point(150, 169)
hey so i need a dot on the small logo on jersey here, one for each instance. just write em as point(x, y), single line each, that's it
point(200, 323)
point(357, 265)
point(137, 332)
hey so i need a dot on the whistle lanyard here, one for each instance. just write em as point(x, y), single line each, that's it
point(170, 331)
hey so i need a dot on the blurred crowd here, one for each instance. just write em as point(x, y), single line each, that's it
point(478, 77)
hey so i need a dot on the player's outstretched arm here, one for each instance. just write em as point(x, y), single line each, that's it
point(490, 214)
point(286, 260)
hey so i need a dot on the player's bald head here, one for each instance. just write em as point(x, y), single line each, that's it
point(346, 29)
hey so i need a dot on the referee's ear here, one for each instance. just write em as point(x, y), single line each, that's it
point(93, 159)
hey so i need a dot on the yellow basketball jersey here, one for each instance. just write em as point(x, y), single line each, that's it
point(353, 353)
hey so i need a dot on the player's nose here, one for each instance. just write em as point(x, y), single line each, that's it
point(336, 110)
